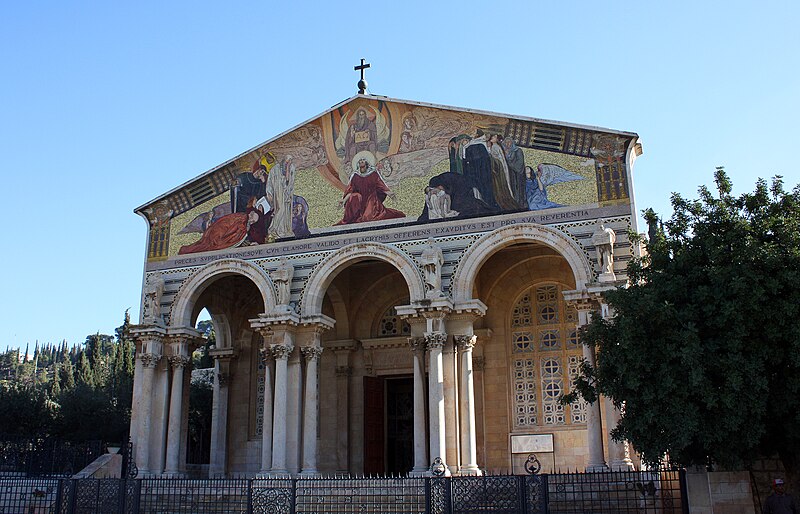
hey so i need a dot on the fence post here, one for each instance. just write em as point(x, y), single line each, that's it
point(250, 496)
point(545, 491)
point(522, 491)
point(684, 491)
point(73, 486)
point(294, 495)
point(59, 494)
point(427, 495)
point(136, 495)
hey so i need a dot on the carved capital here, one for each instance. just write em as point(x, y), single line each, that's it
point(311, 352)
point(265, 354)
point(266, 333)
point(435, 340)
point(223, 379)
point(178, 361)
point(417, 344)
point(149, 360)
point(281, 351)
point(465, 343)
point(344, 371)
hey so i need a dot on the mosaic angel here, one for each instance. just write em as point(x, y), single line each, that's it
point(537, 182)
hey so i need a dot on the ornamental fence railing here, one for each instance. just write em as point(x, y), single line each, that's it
point(628, 492)
point(39, 456)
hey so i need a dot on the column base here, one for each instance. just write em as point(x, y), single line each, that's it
point(279, 473)
point(309, 473)
point(173, 474)
point(596, 468)
point(470, 471)
point(621, 465)
point(419, 472)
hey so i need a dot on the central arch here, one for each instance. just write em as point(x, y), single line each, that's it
point(326, 271)
point(193, 287)
point(491, 243)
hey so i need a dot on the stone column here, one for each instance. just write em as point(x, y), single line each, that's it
point(619, 457)
point(343, 374)
point(266, 423)
point(469, 457)
point(219, 413)
point(421, 463)
point(294, 412)
point(281, 353)
point(178, 362)
point(435, 341)
point(311, 354)
point(145, 408)
point(594, 427)
point(450, 403)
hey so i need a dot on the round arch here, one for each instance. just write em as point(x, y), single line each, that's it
point(326, 271)
point(195, 284)
point(491, 243)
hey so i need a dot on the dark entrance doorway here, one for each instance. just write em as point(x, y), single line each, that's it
point(388, 425)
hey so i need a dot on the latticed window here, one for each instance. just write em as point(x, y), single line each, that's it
point(391, 325)
point(546, 358)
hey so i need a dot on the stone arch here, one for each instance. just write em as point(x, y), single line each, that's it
point(326, 271)
point(493, 242)
point(195, 284)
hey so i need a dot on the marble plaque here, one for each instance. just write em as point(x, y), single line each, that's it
point(541, 443)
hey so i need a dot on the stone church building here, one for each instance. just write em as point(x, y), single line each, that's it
point(390, 282)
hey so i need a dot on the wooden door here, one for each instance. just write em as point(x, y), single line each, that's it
point(374, 430)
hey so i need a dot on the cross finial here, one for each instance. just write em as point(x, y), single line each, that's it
point(362, 84)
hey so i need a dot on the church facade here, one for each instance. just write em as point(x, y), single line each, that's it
point(390, 283)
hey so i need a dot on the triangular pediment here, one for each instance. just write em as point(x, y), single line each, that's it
point(373, 161)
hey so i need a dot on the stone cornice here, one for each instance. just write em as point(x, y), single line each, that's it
point(385, 342)
point(341, 345)
point(272, 320)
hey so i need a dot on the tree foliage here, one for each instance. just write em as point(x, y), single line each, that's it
point(703, 348)
point(77, 394)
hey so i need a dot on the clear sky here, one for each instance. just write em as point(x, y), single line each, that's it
point(105, 105)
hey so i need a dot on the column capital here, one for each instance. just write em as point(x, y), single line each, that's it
point(179, 361)
point(149, 360)
point(281, 351)
point(465, 342)
point(435, 340)
point(223, 378)
point(311, 352)
point(150, 339)
point(265, 354)
point(417, 344)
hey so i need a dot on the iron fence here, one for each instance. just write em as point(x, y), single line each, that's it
point(36, 457)
point(660, 492)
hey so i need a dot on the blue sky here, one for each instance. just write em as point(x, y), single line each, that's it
point(106, 105)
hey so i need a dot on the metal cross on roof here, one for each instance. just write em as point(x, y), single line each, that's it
point(362, 84)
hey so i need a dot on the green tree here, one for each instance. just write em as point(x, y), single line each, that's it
point(702, 350)
point(25, 411)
